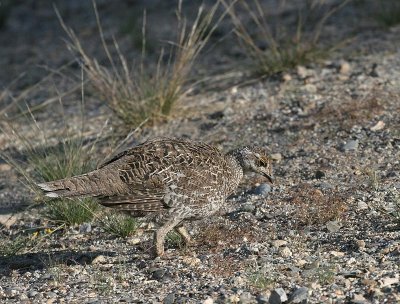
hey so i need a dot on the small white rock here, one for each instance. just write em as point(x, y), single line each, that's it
point(337, 253)
point(344, 68)
point(99, 260)
point(285, 252)
point(388, 281)
point(276, 156)
point(133, 241)
point(362, 205)
point(333, 226)
point(208, 301)
point(279, 243)
point(379, 126)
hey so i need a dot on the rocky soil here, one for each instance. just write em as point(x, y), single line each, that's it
point(328, 231)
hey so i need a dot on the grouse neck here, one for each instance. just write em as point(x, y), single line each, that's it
point(234, 171)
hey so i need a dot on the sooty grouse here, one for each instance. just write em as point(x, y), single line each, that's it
point(175, 179)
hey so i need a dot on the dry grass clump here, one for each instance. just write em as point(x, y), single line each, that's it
point(274, 47)
point(225, 266)
point(355, 110)
point(137, 93)
point(316, 207)
point(44, 161)
point(218, 236)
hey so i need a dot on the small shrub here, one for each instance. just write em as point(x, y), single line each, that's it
point(273, 48)
point(120, 225)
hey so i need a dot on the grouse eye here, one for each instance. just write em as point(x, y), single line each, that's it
point(261, 163)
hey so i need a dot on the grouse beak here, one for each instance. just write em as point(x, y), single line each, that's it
point(270, 178)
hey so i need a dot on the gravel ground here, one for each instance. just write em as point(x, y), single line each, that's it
point(326, 232)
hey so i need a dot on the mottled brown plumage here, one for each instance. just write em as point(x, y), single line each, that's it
point(174, 179)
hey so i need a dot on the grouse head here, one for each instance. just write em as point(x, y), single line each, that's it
point(254, 159)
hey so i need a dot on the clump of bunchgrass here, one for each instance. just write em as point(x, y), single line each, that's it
point(120, 225)
point(388, 12)
point(175, 240)
point(260, 277)
point(274, 48)
point(135, 92)
point(45, 161)
point(11, 246)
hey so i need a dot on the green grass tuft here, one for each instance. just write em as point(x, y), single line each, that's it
point(45, 162)
point(120, 225)
point(388, 12)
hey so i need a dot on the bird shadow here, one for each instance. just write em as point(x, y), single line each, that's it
point(42, 260)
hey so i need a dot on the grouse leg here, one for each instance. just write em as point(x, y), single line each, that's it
point(184, 234)
point(161, 233)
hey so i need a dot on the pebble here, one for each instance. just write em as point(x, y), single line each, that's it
point(302, 71)
point(133, 241)
point(248, 208)
point(337, 253)
point(5, 167)
point(158, 274)
point(278, 296)
point(276, 157)
point(379, 126)
point(208, 301)
point(344, 68)
point(360, 244)
point(362, 205)
point(350, 145)
point(333, 226)
point(85, 228)
point(262, 190)
point(285, 252)
point(359, 299)
point(32, 293)
point(246, 297)
point(51, 294)
point(319, 174)
point(299, 295)
point(263, 298)
point(279, 243)
point(286, 77)
point(169, 299)
point(100, 259)
point(234, 298)
point(310, 88)
point(388, 281)
point(10, 293)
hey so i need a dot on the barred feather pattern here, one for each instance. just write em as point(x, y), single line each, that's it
point(175, 178)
